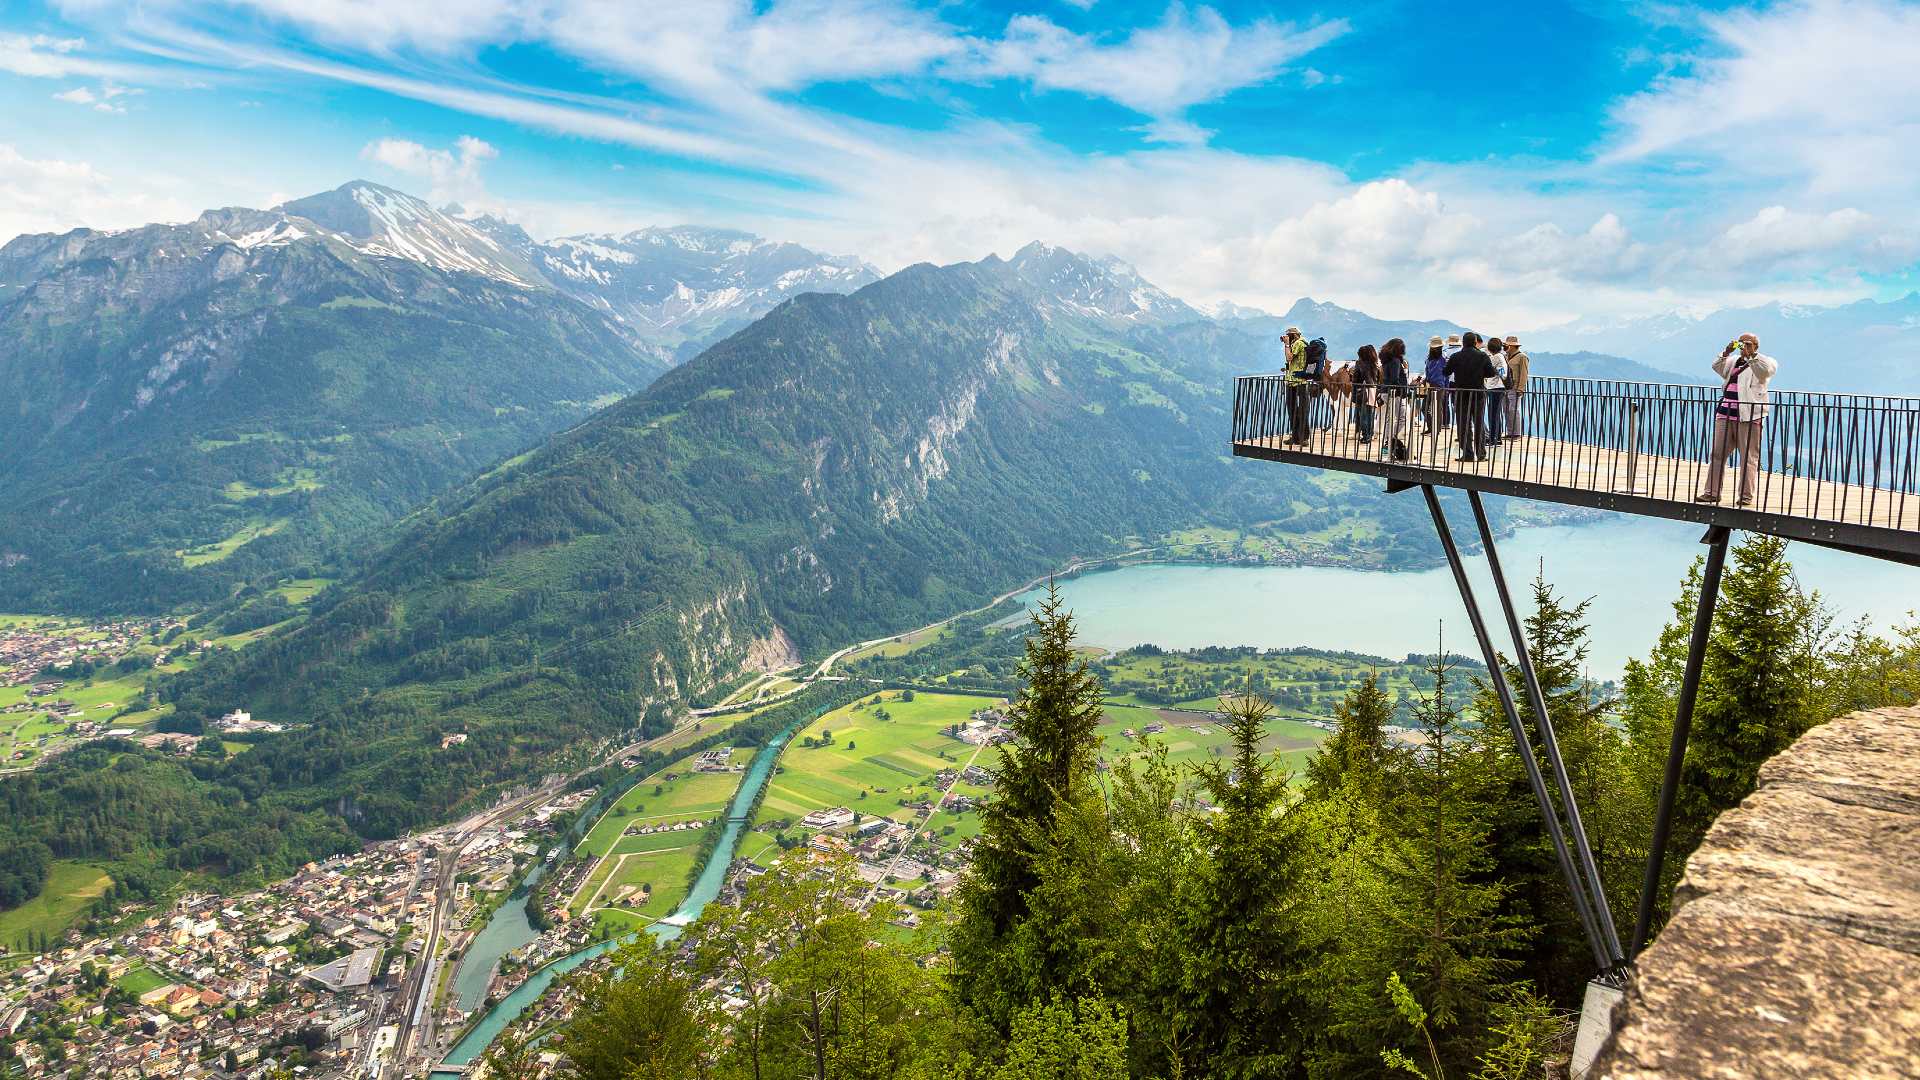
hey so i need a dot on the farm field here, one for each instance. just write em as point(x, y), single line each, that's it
point(887, 751)
point(300, 590)
point(71, 886)
point(893, 760)
point(99, 699)
point(1192, 738)
point(650, 836)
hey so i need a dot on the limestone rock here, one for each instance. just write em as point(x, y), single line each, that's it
point(1794, 948)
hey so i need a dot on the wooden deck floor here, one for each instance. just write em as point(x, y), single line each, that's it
point(1572, 467)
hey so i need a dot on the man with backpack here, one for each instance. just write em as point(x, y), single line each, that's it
point(1304, 369)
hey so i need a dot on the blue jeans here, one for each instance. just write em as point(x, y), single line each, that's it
point(1496, 414)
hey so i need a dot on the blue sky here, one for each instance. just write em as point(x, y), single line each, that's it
point(1531, 162)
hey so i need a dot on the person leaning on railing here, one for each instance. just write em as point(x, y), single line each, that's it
point(1740, 418)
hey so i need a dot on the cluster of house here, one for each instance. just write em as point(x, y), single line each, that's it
point(684, 825)
point(228, 986)
point(719, 760)
point(25, 650)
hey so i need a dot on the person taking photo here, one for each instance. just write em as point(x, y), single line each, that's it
point(1739, 420)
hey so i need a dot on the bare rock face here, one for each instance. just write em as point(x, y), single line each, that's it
point(1794, 949)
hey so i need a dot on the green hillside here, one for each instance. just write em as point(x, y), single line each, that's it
point(847, 466)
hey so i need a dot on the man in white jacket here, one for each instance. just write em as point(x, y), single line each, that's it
point(1740, 418)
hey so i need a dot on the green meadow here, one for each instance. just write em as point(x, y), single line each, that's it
point(625, 856)
point(71, 886)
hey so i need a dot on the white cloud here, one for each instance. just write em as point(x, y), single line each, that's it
point(102, 100)
point(452, 176)
point(1514, 242)
point(1824, 92)
point(42, 56)
point(1840, 238)
point(39, 55)
point(48, 195)
point(1190, 57)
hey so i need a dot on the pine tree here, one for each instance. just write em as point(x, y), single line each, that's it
point(1649, 696)
point(1754, 697)
point(1248, 1012)
point(1453, 939)
point(1357, 750)
point(1049, 763)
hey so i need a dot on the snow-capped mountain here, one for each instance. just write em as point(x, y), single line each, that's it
point(1099, 287)
point(1867, 346)
point(683, 288)
point(385, 223)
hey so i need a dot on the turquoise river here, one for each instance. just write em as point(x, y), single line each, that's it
point(509, 928)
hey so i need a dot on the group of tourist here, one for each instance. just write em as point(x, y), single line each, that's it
point(1477, 394)
point(1472, 392)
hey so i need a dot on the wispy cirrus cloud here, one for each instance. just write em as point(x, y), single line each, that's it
point(1190, 57)
point(1819, 91)
point(1710, 155)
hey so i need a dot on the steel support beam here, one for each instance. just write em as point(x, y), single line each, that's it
point(1583, 851)
point(1581, 903)
point(1716, 541)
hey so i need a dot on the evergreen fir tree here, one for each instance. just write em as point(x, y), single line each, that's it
point(1453, 938)
point(1559, 960)
point(1754, 696)
point(1357, 749)
point(1244, 998)
point(1049, 763)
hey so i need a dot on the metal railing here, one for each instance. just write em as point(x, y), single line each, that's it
point(1844, 458)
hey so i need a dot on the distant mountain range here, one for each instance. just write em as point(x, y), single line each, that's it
point(197, 406)
point(192, 406)
point(1865, 347)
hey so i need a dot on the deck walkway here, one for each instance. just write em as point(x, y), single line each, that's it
point(1839, 473)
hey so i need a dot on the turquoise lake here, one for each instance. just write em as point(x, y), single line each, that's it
point(1630, 567)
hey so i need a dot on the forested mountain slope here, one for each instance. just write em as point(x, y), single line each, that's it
point(846, 466)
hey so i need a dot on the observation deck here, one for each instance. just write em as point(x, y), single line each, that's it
point(1838, 470)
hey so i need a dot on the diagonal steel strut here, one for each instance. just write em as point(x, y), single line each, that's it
point(1597, 895)
point(1581, 902)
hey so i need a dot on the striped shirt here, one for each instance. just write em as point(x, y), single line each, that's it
point(1730, 398)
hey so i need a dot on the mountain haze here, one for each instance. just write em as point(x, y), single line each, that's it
point(1864, 347)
